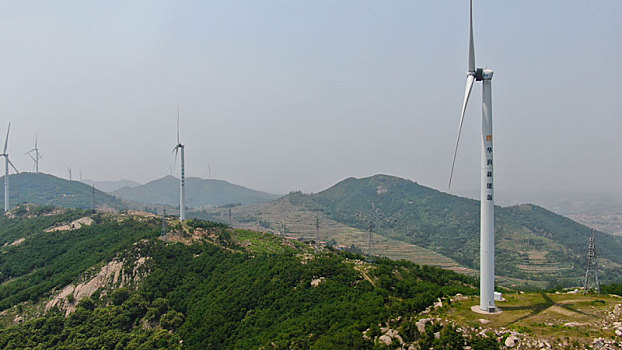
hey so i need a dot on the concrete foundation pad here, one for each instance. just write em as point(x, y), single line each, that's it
point(476, 309)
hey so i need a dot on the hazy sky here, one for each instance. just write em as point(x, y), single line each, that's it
point(298, 95)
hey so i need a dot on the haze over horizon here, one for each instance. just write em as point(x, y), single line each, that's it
point(280, 96)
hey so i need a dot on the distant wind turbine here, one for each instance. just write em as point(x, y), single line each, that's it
point(487, 206)
point(36, 157)
point(182, 180)
point(7, 162)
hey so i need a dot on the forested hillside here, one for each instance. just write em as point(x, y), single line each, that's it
point(71, 279)
point(531, 241)
point(45, 189)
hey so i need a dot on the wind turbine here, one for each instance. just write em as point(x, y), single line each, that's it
point(36, 156)
point(487, 218)
point(182, 180)
point(7, 162)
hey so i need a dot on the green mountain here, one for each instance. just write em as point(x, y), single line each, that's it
point(115, 282)
point(534, 246)
point(111, 186)
point(199, 193)
point(531, 242)
point(45, 189)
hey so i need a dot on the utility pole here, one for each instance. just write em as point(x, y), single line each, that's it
point(592, 268)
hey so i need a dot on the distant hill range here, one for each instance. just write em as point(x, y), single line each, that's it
point(532, 243)
point(45, 189)
point(199, 193)
point(111, 186)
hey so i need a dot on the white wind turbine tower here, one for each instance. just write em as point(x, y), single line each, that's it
point(487, 218)
point(182, 180)
point(7, 162)
point(36, 156)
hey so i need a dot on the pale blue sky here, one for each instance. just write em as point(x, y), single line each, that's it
point(287, 95)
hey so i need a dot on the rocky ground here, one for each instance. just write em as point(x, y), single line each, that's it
point(607, 323)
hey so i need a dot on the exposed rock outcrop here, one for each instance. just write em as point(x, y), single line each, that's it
point(74, 225)
point(118, 273)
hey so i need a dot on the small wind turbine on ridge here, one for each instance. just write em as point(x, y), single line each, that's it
point(182, 180)
point(36, 157)
point(7, 162)
point(487, 205)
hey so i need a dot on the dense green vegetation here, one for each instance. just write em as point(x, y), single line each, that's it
point(44, 189)
point(406, 211)
point(613, 288)
point(218, 296)
point(47, 260)
point(199, 193)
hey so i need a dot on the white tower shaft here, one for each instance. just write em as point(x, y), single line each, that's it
point(487, 215)
point(182, 189)
point(6, 183)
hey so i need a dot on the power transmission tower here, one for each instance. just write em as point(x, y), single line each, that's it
point(164, 225)
point(591, 273)
point(370, 243)
point(317, 228)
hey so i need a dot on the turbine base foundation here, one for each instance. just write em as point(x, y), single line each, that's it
point(493, 311)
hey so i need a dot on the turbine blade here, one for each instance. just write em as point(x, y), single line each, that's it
point(175, 161)
point(471, 45)
point(14, 168)
point(467, 94)
point(6, 141)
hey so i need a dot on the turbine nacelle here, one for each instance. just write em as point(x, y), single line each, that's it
point(481, 74)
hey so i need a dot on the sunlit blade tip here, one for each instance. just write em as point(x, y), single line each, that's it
point(471, 44)
point(177, 124)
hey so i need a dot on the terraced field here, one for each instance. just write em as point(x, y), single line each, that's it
point(299, 222)
point(283, 218)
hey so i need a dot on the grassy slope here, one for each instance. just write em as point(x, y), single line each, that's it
point(542, 315)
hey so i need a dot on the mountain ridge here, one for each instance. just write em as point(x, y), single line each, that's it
point(47, 189)
point(532, 243)
point(199, 192)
